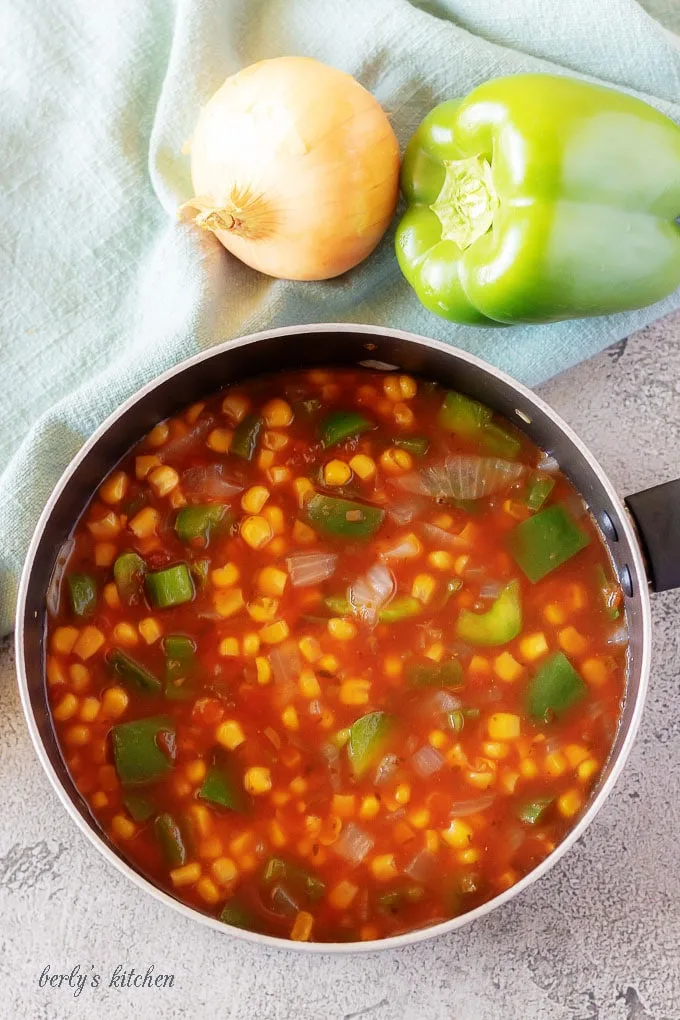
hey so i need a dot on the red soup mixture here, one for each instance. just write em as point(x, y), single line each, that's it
point(337, 655)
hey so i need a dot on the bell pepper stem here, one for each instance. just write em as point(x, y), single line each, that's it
point(467, 202)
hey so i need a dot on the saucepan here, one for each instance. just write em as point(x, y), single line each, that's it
point(642, 534)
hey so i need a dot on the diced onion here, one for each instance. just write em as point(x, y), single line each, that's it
point(462, 808)
point(368, 594)
point(427, 760)
point(285, 662)
point(424, 868)
point(209, 482)
point(307, 568)
point(181, 444)
point(353, 844)
point(444, 701)
point(386, 769)
point(404, 511)
point(331, 755)
point(547, 463)
point(441, 537)
point(618, 637)
point(314, 707)
point(490, 589)
point(405, 549)
point(463, 476)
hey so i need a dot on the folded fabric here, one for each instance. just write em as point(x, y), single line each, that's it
point(104, 288)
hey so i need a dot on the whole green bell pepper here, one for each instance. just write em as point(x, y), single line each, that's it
point(540, 198)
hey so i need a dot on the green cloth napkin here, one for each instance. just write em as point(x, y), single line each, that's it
point(103, 288)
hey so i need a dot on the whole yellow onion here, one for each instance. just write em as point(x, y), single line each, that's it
point(295, 169)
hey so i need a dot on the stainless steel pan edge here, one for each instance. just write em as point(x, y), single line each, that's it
point(317, 344)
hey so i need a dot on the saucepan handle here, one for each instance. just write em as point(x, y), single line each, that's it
point(656, 512)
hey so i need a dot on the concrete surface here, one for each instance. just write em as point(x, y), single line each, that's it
point(597, 939)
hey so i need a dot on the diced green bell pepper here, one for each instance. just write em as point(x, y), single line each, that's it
point(400, 608)
point(340, 605)
point(415, 445)
point(83, 593)
point(368, 736)
point(180, 657)
point(169, 838)
point(555, 688)
point(435, 674)
point(200, 570)
point(238, 915)
point(132, 673)
point(341, 425)
point(498, 625)
point(138, 807)
point(221, 787)
point(533, 811)
point(200, 520)
point(545, 541)
point(342, 518)
point(540, 198)
point(298, 878)
point(128, 574)
point(244, 441)
point(537, 491)
point(136, 750)
point(170, 587)
point(457, 718)
point(472, 420)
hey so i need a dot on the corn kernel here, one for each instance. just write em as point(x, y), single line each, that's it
point(469, 856)
point(587, 769)
point(578, 597)
point(555, 614)
point(403, 415)
point(362, 466)
point(114, 488)
point(277, 413)
point(594, 671)
point(163, 480)
point(432, 840)
point(235, 407)
point(126, 634)
point(336, 472)
point(555, 764)
point(228, 603)
point(533, 646)
point(298, 786)
point(275, 441)
point(208, 891)
point(369, 933)
point(310, 648)
point(257, 780)
point(115, 701)
point(186, 875)
point(55, 671)
point(122, 827)
point(503, 726)
point(240, 844)
point(265, 459)
point(569, 803)
point(220, 440)
point(278, 547)
point(528, 768)
point(435, 652)
point(460, 564)
point(396, 461)
point(575, 754)
point(302, 534)
point(150, 629)
point(495, 749)
point(230, 734)
point(63, 639)
point(341, 630)
point(290, 718)
point(441, 560)
point(145, 523)
point(66, 709)
point(272, 581)
point(483, 775)
point(263, 669)
point(256, 531)
point(402, 794)
point(354, 692)
point(89, 709)
point(343, 805)
point(341, 895)
point(248, 863)
point(302, 927)
point(303, 490)
point(159, 434)
point(308, 684)
point(195, 770)
point(145, 464)
point(277, 834)
point(479, 666)
point(250, 645)
point(224, 870)
point(392, 666)
point(370, 806)
point(419, 818)
point(275, 633)
point(458, 835)
point(105, 553)
point(111, 596)
point(278, 474)
point(263, 608)
point(226, 576)
point(108, 526)
point(328, 664)
point(437, 738)
point(280, 798)
point(399, 387)
point(90, 640)
point(572, 642)
point(507, 668)
point(384, 867)
point(229, 648)
point(99, 800)
point(423, 588)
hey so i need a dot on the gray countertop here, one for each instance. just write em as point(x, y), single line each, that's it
point(597, 939)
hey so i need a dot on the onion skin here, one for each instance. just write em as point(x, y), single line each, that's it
point(295, 169)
